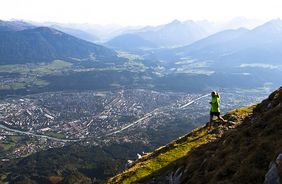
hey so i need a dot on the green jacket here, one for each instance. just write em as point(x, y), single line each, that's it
point(215, 104)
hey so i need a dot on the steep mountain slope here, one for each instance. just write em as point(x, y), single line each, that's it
point(44, 44)
point(237, 152)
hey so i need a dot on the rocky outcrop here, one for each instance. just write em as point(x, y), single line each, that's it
point(273, 175)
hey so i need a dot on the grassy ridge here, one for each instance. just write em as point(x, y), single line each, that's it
point(165, 156)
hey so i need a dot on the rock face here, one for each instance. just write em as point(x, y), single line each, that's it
point(273, 175)
point(175, 177)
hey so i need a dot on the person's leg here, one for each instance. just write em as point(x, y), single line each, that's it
point(210, 122)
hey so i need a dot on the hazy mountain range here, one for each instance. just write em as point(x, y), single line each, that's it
point(176, 33)
point(169, 35)
point(108, 32)
point(259, 45)
point(24, 41)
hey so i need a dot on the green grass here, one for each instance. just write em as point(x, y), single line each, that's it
point(29, 74)
point(178, 150)
point(129, 56)
point(55, 134)
point(132, 64)
point(135, 66)
point(8, 146)
point(39, 69)
point(17, 68)
point(10, 143)
point(23, 82)
point(18, 85)
point(40, 83)
point(165, 156)
point(239, 114)
point(51, 68)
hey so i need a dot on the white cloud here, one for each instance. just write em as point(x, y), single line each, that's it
point(137, 12)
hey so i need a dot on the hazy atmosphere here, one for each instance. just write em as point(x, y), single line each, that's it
point(137, 12)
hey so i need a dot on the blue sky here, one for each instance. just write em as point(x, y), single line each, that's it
point(137, 12)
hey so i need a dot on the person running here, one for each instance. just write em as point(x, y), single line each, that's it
point(215, 110)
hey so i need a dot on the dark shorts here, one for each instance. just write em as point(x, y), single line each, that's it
point(214, 113)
